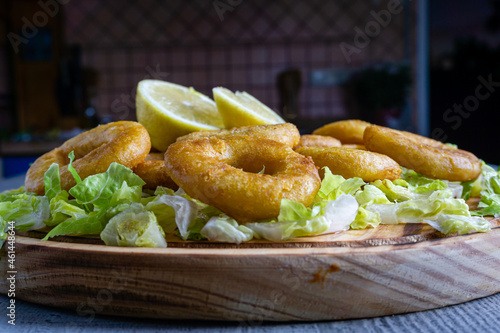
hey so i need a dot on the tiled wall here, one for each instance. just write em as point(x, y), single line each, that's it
point(244, 48)
point(189, 43)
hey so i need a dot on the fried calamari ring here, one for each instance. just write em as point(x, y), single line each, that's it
point(152, 170)
point(347, 131)
point(349, 162)
point(225, 173)
point(424, 155)
point(354, 146)
point(310, 140)
point(286, 133)
point(124, 142)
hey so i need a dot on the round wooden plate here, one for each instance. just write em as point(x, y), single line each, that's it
point(389, 270)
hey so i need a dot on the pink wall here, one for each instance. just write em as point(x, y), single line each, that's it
point(186, 42)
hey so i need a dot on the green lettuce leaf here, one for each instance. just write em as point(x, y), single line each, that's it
point(185, 213)
point(420, 184)
point(165, 215)
point(490, 192)
point(332, 186)
point(27, 210)
point(126, 195)
point(296, 220)
point(205, 213)
point(52, 181)
point(370, 195)
point(415, 211)
point(72, 169)
point(280, 231)
point(393, 192)
point(226, 229)
point(61, 209)
point(461, 224)
point(99, 189)
point(365, 219)
point(134, 227)
point(3, 230)
point(93, 223)
point(160, 190)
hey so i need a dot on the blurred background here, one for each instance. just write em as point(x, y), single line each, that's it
point(422, 66)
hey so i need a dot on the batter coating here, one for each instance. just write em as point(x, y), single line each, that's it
point(424, 155)
point(349, 163)
point(347, 131)
point(226, 174)
point(354, 146)
point(286, 133)
point(310, 140)
point(124, 142)
point(152, 170)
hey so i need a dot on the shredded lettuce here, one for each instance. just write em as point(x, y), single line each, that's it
point(280, 231)
point(113, 205)
point(368, 196)
point(460, 224)
point(296, 220)
point(332, 186)
point(52, 181)
point(185, 212)
point(420, 184)
point(62, 209)
point(134, 227)
point(93, 223)
point(366, 219)
point(490, 192)
point(27, 210)
point(72, 169)
point(394, 192)
point(97, 190)
point(3, 230)
point(418, 210)
point(226, 229)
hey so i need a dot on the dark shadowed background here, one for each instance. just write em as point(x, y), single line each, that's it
point(68, 65)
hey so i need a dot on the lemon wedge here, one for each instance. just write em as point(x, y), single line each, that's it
point(169, 110)
point(242, 109)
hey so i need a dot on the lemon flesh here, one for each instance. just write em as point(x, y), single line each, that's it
point(242, 109)
point(169, 110)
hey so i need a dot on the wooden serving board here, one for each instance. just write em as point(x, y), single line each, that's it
point(356, 274)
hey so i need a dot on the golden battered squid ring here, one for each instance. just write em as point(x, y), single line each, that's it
point(152, 170)
point(310, 140)
point(124, 142)
point(354, 146)
point(424, 155)
point(349, 163)
point(225, 173)
point(347, 131)
point(286, 133)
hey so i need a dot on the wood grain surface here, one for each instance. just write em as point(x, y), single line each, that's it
point(355, 274)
